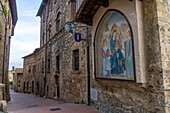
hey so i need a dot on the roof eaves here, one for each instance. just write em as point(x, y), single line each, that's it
point(43, 3)
point(13, 8)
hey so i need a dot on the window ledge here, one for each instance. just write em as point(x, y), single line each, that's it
point(76, 72)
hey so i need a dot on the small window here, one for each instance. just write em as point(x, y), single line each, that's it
point(43, 38)
point(58, 63)
point(37, 67)
point(75, 7)
point(51, 5)
point(44, 16)
point(48, 9)
point(58, 22)
point(76, 60)
point(29, 70)
point(42, 66)
point(49, 62)
point(49, 29)
point(34, 68)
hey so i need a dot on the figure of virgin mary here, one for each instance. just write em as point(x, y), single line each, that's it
point(117, 57)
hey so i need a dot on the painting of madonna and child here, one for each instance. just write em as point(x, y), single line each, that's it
point(113, 48)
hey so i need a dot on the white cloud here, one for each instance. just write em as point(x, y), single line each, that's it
point(23, 46)
point(26, 28)
point(29, 13)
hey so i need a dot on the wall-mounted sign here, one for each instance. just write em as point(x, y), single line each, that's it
point(94, 94)
point(114, 56)
point(77, 37)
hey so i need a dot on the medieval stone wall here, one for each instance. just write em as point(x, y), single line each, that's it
point(5, 45)
point(148, 95)
point(29, 76)
point(61, 43)
point(153, 95)
point(163, 13)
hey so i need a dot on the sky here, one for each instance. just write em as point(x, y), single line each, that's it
point(27, 32)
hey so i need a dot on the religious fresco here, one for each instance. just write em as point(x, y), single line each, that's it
point(113, 48)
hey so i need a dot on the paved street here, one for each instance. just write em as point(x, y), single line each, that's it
point(29, 103)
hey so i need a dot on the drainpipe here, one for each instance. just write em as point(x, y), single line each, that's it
point(88, 68)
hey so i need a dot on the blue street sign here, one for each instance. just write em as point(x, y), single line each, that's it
point(77, 37)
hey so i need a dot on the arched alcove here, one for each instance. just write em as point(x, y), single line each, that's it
point(113, 47)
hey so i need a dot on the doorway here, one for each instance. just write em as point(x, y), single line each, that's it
point(24, 88)
point(57, 88)
point(32, 86)
point(27, 87)
point(37, 89)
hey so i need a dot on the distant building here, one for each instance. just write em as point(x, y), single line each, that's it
point(10, 77)
point(8, 20)
point(17, 78)
point(31, 73)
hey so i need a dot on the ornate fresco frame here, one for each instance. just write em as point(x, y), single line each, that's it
point(94, 44)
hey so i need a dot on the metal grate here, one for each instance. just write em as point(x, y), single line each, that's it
point(32, 106)
point(55, 109)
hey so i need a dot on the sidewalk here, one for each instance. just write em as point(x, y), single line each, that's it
point(29, 103)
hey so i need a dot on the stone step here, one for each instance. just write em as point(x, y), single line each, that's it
point(3, 106)
point(2, 86)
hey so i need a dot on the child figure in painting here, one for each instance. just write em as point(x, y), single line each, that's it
point(128, 56)
point(105, 60)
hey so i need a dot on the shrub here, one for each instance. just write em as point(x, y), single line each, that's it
point(82, 102)
point(5, 10)
point(10, 83)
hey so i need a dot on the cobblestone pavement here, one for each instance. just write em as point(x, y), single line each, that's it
point(29, 103)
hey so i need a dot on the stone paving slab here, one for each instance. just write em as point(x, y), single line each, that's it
point(29, 103)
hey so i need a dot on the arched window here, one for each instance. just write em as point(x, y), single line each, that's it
point(114, 55)
point(58, 20)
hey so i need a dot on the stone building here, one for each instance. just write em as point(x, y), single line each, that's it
point(8, 19)
point(10, 77)
point(59, 66)
point(30, 72)
point(17, 78)
point(129, 62)
point(62, 59)
point(148, 88)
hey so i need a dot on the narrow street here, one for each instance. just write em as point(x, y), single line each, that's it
point(29, 103)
